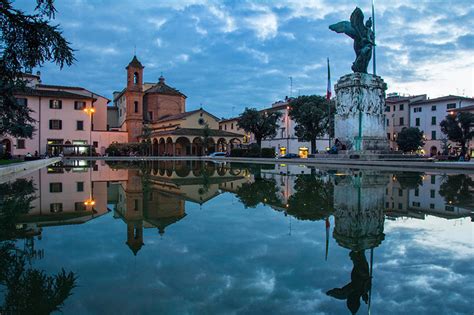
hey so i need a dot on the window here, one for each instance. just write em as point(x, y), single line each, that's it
point(220, 127)
point(79, 125)
point(150, 116)
point(417, 192)
point(22, 101)
point(387, 205)
point(433, 120)
point(432, 205)
point(433, 108)
point(402, 106)
point(394, 107)
point(417, 110)
point(55, 124)
point(55, 104)
point(55, 187)
point(95, 144)
point(433, 179)
point(432, 193)
point(433, 135)
point(449, 208)
point(387, 109)
point(95, 168)
point(120, 112)
point(232, 126)
point(388, 122)
point(135, 204)
point(417, 122)
point(415, 204)
point(55, 207)
point(225, 127)
point(135, 78)
point(80, 186)
point(400, 192)
point(20, 143)
point(402, 121)
point(79, 206)
point(78, 105)
point(135, 106)
point(388, 135)
point(451, 106)
point(400, 206)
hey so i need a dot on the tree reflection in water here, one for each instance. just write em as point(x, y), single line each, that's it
point(26, 290)
point(457, 189)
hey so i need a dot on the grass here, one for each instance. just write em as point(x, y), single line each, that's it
point(12, 161)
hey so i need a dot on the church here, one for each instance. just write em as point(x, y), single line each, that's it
point(161, 109)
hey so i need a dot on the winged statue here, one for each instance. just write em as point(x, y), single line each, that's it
point(362, 35)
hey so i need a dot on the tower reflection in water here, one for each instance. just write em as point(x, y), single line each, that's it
point(359, 221)
point(154, 195)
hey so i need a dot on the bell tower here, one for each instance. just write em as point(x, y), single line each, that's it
point(134, 99)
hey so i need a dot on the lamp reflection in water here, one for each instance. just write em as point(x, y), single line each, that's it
point(359, 222)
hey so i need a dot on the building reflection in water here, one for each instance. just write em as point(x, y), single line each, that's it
point(154, 195)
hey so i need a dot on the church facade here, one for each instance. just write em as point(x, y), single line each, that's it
point(156, 112)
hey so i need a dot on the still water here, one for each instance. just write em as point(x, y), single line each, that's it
point(204, 238)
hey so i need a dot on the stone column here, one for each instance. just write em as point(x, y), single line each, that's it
point(360, 118)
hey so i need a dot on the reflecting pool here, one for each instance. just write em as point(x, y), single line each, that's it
point(181, 237)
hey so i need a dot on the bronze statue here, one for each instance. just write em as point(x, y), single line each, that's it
point(362, 35)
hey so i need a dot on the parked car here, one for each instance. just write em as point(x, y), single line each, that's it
point(290, 156)
point(217, 155)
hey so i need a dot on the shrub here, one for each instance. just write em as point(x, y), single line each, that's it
point(123, 149)
point(253, 152)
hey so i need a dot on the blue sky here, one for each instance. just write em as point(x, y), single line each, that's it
point(227, 55)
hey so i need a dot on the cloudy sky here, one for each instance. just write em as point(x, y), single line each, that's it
point(227, 55)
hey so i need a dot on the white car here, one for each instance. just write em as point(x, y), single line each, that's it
point(217, 155)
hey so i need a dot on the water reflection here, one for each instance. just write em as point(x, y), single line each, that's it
point(156, 196)
point(26, 290)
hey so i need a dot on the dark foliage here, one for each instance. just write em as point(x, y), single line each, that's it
point(262, 124)
point(26, 41)
point(410, 139)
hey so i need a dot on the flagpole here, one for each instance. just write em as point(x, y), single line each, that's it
point(373, 28)
point(328, 97)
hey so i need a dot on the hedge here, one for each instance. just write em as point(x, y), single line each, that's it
point(253, 152)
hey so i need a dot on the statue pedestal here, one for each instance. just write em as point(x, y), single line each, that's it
point(360, 118)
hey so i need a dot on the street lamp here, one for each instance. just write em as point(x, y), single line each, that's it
point(90, 111)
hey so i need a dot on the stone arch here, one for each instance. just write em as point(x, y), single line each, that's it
point(155, 147)
point(197, 146)
point(169, 146)
point(235, 142)
point(183, 146)
point(161, 146)
point(6, 146)
point(182, 169)
point(221, 145)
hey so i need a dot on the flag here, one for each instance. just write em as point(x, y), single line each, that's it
point(328, 92)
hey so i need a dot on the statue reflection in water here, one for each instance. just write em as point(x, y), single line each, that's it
point(359, 222)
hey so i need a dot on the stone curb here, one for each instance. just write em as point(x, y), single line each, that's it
point(17, 169)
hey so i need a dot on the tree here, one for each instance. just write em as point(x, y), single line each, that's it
point(26, 41)
point(312, 116)
point(458, 128)
point(313, 198)
point(410, 139)
point(457, 189)
point(262, 124)
point(146, 137)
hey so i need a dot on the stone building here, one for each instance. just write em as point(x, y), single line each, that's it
point(427, 115)
point(162, 109)
point(68, 120)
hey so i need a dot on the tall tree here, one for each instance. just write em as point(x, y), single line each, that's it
point(410, 139)
point(262, 124)
point(26, 41)
point(458, 128)
point(312, 115)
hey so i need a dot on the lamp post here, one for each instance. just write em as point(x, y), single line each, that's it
point(90, 111)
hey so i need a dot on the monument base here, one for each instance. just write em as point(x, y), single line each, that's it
point(360, 118)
